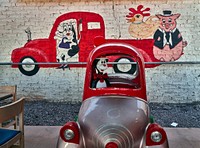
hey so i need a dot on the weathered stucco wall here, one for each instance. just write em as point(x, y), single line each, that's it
point(166, 83)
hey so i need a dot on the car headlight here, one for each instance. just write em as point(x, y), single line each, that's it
point(69, 134)
point(156, 136)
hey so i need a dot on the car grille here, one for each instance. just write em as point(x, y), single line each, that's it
point(113, 133)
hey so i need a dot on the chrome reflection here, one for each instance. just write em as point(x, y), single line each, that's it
point(113, 133)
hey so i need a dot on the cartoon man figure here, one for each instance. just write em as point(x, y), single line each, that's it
point(100, 75)
point(169, 44)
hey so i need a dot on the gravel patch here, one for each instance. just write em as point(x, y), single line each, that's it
point(185, 115)
point(46, 113)
point(43, 113)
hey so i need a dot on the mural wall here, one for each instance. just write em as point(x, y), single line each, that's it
point(78, 31)
point(161, 30)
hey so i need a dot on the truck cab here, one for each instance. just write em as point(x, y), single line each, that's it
point(71, 38)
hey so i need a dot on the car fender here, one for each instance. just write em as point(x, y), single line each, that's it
point(37, 54)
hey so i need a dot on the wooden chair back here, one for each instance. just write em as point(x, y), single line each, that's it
point(9, 92)
point(9, 89)
point(8, 112)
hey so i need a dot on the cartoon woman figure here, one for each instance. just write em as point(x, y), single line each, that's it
point(67, 43)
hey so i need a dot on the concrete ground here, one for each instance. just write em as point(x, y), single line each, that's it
point(46, 137)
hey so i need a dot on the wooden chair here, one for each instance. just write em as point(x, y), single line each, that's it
point(9, 136)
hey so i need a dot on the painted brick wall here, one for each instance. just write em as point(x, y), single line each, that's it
point(166, 83)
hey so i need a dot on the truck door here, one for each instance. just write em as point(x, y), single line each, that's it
point(92, 26)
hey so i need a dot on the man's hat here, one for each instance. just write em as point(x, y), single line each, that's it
point(167, 13)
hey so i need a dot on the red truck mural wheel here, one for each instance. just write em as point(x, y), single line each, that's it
point(126, 68)
point(28, 70)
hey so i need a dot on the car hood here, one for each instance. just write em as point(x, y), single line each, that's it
point(118, 119)
point(40, 43)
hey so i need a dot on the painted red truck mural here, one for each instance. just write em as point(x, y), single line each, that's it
point(73, 36)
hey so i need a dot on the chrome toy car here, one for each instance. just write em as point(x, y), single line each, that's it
point(114, 112)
